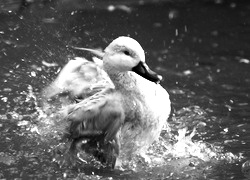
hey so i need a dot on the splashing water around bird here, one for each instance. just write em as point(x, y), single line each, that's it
point(175, 154)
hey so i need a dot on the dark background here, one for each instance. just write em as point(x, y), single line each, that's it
point(200, 47)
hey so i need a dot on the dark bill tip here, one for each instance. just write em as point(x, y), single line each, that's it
point(143, 70)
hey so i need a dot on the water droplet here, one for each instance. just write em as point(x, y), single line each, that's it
point(187, 72)
point(33, 73)
point(111, 8)
point(173, 14)
point(246, 61)
point(4, 99)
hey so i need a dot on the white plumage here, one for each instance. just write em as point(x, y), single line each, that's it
point(120, 113)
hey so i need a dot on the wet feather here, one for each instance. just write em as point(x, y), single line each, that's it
point(118, 113)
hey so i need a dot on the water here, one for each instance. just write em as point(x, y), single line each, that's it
point(201, 49)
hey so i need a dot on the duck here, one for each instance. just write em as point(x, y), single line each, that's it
point(118, 106)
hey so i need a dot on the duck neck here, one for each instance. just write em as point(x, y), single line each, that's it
point(124, 81)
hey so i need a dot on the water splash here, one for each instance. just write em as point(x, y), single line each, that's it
point(178, 153)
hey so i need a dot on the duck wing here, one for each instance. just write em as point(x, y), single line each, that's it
point(79, 78)
point(101, 113)
point(97, 120)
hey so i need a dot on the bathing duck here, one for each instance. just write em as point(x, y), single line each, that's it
point(120, 107)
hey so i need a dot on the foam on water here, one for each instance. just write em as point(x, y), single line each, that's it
point(177, 153)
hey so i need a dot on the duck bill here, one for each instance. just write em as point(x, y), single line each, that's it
point(143, 70)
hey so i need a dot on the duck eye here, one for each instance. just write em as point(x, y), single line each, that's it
point(126, 53)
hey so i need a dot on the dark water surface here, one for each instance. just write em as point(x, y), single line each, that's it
point(202, 49)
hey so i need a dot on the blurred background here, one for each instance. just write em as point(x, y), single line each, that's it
point(200, 47)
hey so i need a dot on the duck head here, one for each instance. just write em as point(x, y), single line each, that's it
point(126, 54)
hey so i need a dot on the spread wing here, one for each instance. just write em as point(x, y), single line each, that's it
point(97, 120)
point(99, 115)
point(79, 78)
